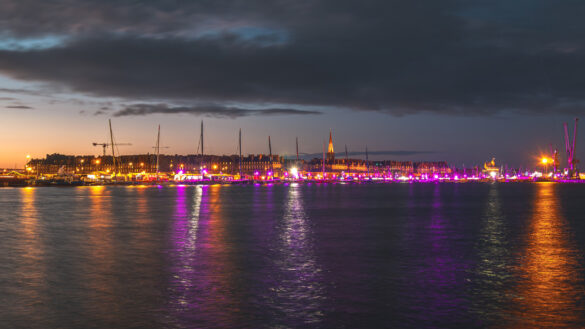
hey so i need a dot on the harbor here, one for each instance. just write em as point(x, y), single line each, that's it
point(292, 164)
point(112, 168)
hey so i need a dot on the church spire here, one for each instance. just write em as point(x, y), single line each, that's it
point(330, 151)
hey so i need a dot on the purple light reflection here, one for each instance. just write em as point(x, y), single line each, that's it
point(184, 238)
point(437, 275)
point(201, 282)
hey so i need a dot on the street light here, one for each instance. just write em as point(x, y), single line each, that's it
point(26, 167)
point(545, 162)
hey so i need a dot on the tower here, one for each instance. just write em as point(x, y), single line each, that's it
point(330, 152)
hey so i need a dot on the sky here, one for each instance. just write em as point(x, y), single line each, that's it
point(457, 81)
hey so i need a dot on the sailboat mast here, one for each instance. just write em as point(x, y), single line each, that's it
point(201, 139)
point(112, 144)
point(367, 162)
point(157, 151)
point(240, 142)
point(323, 166)
point(297, 139)
point(346, 159)
point(270, 156)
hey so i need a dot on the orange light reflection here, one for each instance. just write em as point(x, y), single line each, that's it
point(552, 287)
point(32, 270)
point(101, 260)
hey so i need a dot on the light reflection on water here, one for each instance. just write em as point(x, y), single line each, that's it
point(440, 276)
point(99, 265)
point(552, 283)
point(183, 291)
point(202, 282)
point(269, 257)
point(30, 250)
point(299, 292)
point(493, 269)
point(30, 242)
point(184, 238)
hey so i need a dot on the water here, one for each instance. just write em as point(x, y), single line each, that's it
point(320, 256)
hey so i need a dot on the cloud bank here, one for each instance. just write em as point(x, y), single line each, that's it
point(216, 111)
point(397, 57)
point(20, 107)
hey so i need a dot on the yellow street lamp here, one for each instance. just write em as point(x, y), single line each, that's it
point(545, 162)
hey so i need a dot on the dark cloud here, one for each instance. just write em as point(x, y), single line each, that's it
point(21, 107)
point(398, 57)
point(102, 110)
point(216, 111)
point(21, 91)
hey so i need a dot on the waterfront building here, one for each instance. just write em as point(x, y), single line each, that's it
point(146, 163)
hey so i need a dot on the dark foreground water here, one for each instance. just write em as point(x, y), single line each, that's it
point(321, 256)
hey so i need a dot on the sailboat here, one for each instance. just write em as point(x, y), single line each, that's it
point(242, 178)
point(368, 178)
point(270, 177)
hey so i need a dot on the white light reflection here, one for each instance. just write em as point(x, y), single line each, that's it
point(299, 293)
point(184, 241)
point(495, 260)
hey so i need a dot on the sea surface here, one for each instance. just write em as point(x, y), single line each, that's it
point(294, 256)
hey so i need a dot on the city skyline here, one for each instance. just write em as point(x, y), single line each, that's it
point(219, 142)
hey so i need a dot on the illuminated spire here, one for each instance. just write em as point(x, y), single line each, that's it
point(330, 149)
point(330, 152)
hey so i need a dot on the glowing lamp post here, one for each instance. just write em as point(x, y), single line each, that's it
point(545, 162)
point(26, 167)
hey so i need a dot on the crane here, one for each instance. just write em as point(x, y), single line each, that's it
point(106, 145)
point(570, 148)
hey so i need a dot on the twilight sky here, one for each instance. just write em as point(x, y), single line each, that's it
point(461, 81)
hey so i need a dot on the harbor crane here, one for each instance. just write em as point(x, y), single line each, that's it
point(106, 145)
point(570, 148)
